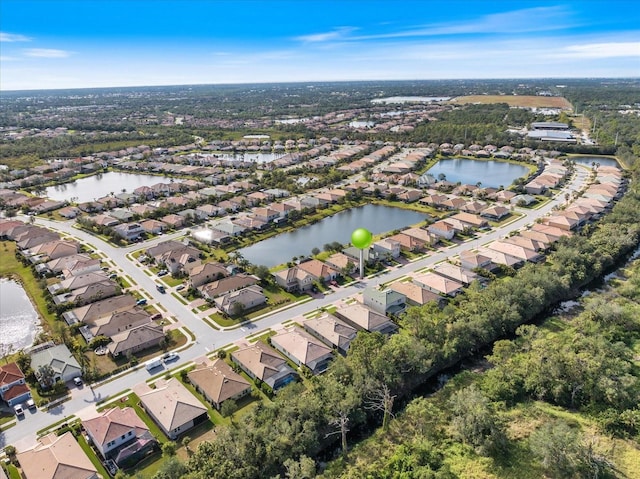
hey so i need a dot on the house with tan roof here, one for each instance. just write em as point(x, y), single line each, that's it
point(342, 262)
point(172, 407)
point(470, 260)
point(153, 226)
point(438, 284)
point(415, 295)
point(408, 243)
point(56, 457)
point(303, 349)
point(93, 311)
point(205, 273)
point(217, 382)
point(264, 363)
point(241, 300)
point(114, 323)
point(470, 220)
point(120, 434)
point(332, 331)
point(226, 285)
point(516, 251)
point(294, 279)
point(420, 234)
point(319, 270)
point(13, 386)
point(442, 229)
point(456, 273)
point(138, 338)
point(366, 319)
point(387, 246)
point(52, 250)
point(495, 212)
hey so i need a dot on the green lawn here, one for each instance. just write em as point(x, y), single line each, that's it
point(92, 456)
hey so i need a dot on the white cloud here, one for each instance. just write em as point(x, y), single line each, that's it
point(46, 53)
point(337, 34)
point(13, 37)
point(601, 50)
point(8, 59)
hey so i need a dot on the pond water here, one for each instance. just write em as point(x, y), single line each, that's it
point(470, 171)
point(589, 160)
point(375, 218)
point(97, 186)
point(19, 321)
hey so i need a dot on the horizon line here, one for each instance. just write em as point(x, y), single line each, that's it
point(322, 81)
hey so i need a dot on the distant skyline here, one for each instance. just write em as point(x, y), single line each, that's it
point(46, 44)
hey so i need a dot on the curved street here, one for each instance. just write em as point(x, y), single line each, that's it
point(83, 401)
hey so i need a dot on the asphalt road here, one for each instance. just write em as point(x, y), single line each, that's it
point(83, 400)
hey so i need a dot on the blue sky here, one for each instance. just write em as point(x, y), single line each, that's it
point(90, 43)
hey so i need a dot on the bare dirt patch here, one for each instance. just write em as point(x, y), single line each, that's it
point(526, 101)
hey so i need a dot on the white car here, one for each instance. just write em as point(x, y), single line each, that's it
point(18, 410)
point(77, 381)
point(170, 357)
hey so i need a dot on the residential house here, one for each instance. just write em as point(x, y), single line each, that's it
point(421, 235)
point(115, 322)
point(120, 434)
point(303, 349)
point(332, 331)
point(516, 251)
point(364, 318)
point(93, 311)
point(244, 299)
point(415, 295)
point(105, 220)
point(89, 293)
point(173, 221)
point(387, 247)
point(138, 338)
point(129, 231)
point(13, 387)
point(177, 258)
point(408, 243)
point(496, 212)
point(470, 220)
point(153, 226)
point(263, 363)
point(456, 273)
point(64, 365)
point(294, 279)
point(472, 259)
point(226, 285)
point(205, 273)
point(172, 407)
point(56, 457)
point(217, 382)
point(53, 250)
point(319, 270)
point(79, 281)
point(342, 263)
point(438, 284)
point(442, 230)
point(266, 214)
point(384, 301)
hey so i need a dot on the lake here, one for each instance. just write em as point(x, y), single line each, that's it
point(588, 160)
point(375, 218)
point(469, 171)
point(19, 321)
point(97, 186)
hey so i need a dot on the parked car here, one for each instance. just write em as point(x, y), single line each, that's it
point(180, 287)
point(171, 356)
point(156, 316)
point(18, 410)
point(31, 404)
point(77, 381)
point(161, 288)
point(163, 272)
point(141, 302)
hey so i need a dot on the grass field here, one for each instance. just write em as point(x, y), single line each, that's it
point(527, 101)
